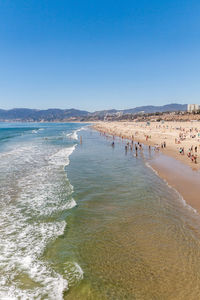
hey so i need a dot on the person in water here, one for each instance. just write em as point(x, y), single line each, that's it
point(136, 149)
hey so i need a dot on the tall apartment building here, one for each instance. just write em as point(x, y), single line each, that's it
point(193, 108)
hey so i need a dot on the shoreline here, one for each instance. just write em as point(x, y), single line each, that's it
point(180, 174)
point(180, 177)
point(139, 131)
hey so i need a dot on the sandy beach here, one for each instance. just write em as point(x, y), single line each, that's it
point(176, 135)
point(175, 162)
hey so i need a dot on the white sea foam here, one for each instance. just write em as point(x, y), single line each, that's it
point(79, 271)
point(17, 152)
point(74, 135)
point(35, 131)
point(21, 246)
point(82, 128)
point(73, 272)
point(62, 156)
point(37, 185)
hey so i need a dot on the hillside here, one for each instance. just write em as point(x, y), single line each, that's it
point(50, 115)
point(25, 114)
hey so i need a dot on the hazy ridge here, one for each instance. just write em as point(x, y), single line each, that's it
point(54, 114)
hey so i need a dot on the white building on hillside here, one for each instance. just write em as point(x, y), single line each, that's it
point(193, 108)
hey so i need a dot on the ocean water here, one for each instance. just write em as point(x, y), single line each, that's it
point(35, 197)
point(90, 221)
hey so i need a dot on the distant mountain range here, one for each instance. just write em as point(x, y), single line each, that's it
point(153, 109)
point(26, 114)
point(50, 115)
point(146, 109)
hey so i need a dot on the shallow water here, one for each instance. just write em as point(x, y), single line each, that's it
point(130, 236)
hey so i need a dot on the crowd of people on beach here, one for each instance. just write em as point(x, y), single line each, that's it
point(131, 144)
point(158, 136)
point(192, 153)
point(184, 134)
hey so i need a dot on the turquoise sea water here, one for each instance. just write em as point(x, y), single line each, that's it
point(89, 221)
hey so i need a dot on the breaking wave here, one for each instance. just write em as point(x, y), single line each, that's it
point(34, 192)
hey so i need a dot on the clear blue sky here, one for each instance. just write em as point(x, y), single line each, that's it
point(99, 54)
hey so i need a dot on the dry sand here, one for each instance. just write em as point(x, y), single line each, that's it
point(177, 169)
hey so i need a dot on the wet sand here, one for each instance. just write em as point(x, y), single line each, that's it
point(179, 176)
